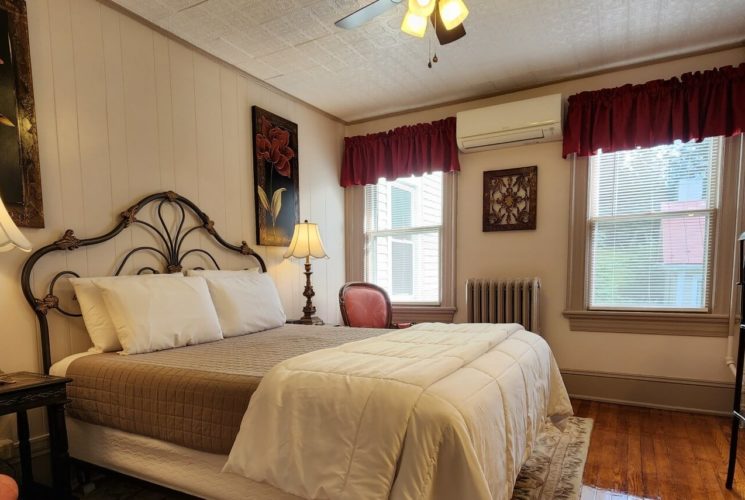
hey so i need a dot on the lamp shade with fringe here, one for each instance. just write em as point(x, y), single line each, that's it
point(306, 242)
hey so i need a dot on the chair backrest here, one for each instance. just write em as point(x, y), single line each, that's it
point(365, 305)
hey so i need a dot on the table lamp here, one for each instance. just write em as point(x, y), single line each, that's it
point(10, 236)
point(306, 243)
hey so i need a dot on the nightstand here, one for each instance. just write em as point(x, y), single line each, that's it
point(28, 391)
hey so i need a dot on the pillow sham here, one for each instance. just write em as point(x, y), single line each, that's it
point(152, 315)
point(245, 303)
point(95, 316)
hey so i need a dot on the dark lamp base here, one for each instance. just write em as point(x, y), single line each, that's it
point(315, 320)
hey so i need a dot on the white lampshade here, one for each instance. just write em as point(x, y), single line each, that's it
point(306, 242)
point(452, 13)
point(10, 236)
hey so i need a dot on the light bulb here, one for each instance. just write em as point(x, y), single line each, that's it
point(423, 8)
point(414, 25)
point(452, 13)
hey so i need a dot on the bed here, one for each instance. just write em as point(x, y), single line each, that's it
point(447, 408)
point(180, 439)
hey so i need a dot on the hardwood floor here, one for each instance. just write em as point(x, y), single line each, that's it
point(648, 453)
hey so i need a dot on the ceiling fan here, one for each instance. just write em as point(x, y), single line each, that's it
point(446, 16)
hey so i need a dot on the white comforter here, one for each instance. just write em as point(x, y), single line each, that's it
point(431, 412)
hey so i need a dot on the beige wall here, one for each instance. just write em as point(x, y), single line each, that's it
point(122, 112)
point(543, 252)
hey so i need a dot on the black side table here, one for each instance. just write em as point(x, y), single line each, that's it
point(28, 391)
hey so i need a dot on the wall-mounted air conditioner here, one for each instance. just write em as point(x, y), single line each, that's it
point(512, 124)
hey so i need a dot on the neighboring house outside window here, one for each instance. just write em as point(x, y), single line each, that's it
point(401, 236)
point(652, 239)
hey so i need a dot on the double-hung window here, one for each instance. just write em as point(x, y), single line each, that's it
point(403, 233)
point(652, 216)
point(400, 235)
point(652, 238)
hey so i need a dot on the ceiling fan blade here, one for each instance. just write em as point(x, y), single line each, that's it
point(445, 36)
point(366, 13)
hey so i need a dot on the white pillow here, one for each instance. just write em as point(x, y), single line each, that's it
point(95, 316)
point(246, 303)
point(151, 315)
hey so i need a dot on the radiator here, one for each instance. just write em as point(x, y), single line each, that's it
point(504, 301)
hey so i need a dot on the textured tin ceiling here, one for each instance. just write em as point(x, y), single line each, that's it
point(376, 69)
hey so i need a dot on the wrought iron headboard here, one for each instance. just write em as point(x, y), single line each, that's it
point(171, 253)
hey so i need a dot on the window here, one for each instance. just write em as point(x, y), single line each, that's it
point(403, 229)
point(651, 239)
point(652, 215)
point(400, 234)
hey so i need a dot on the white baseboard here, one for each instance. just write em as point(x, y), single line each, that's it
point(697, 396)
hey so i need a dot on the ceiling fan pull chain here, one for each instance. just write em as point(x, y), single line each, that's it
point(429, 52)
point(434, 22)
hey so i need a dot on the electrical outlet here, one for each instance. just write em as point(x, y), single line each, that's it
point(6, 449)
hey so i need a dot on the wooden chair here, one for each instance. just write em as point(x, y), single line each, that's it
point(366, 305)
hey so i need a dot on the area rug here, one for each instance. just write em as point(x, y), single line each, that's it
point(554, 469)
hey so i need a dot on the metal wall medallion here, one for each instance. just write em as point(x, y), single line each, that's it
point(510, 199)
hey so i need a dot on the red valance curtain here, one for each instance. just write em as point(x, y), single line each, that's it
point(694, 106)
point(402, 152)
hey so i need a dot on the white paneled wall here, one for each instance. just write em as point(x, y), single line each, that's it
point(124, 111)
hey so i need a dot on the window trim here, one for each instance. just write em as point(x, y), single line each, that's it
point(354, 225)
point(713, 323)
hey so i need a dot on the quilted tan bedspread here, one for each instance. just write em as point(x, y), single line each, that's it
point(193, 396)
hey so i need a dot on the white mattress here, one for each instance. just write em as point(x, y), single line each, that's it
point(194, 472)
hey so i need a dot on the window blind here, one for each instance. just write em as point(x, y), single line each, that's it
point(652, 215)
point(403, 226)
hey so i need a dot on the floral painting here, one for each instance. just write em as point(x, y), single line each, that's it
point(275, 177)
point(510, 199)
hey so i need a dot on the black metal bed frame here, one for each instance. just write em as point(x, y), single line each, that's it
point(171, 253)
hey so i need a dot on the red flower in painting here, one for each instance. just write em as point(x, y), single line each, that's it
point(272, 144)
point(263, 147)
